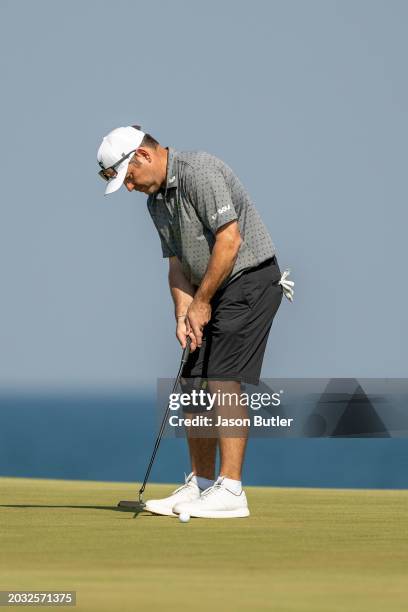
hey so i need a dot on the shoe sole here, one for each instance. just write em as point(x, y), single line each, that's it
point(239, 513)
point(157, 510)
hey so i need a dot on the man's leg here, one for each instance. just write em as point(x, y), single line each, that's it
point(232, 439)
point(203, 449)
point(203, 456)
point(226, 499)
point(202, 443)
point(232, 452)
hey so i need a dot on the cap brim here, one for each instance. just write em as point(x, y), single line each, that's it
point(117, 182)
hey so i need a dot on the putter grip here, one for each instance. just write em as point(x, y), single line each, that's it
point(186, 351)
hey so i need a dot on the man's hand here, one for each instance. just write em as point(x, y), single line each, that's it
point(182, 334)
point(198, 315)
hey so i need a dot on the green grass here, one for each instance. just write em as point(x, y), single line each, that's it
point(301, 549)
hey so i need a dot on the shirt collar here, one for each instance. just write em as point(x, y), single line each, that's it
point(171, 176)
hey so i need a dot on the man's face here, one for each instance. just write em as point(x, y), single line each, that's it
point(143, 172)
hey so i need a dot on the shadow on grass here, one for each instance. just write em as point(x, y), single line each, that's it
point(136, 510)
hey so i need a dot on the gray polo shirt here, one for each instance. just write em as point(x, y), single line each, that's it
point(201, 195)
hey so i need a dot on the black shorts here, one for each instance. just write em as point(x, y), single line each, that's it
point(235, 338)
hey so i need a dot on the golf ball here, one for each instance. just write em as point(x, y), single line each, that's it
point(184, 517)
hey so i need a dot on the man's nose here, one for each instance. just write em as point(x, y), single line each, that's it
point(129, 186)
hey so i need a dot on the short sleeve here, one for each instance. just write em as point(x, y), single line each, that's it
point(165, 242)
point(163, 229)
point(212, 198)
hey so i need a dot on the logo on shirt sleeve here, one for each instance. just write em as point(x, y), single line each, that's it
point(221, 211)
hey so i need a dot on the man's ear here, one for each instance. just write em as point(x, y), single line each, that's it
point(145, 153)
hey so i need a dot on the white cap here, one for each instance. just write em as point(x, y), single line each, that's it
point(116, 144)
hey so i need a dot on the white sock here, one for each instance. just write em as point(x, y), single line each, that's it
point(233, 485)
point(202, 483)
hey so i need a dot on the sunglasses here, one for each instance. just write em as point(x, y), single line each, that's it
point(109, 173)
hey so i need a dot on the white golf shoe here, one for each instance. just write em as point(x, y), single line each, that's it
point(188, 492)
point(215, 502)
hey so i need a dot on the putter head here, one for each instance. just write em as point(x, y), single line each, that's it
point(135, 505)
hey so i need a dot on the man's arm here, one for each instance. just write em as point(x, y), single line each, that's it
point(225, 251)
point(222, 260)
point(182, 292)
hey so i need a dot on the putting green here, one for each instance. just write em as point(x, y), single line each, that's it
point(301, 549)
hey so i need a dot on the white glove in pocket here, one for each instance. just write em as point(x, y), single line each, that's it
point(287, 285)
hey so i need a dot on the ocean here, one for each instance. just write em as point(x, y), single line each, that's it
point(108, 436)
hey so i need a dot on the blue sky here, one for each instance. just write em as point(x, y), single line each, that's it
point(306, 101)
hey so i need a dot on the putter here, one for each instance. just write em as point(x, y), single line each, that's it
point(139, 504)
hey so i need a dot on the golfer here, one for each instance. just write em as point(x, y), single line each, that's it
point(226, 286)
